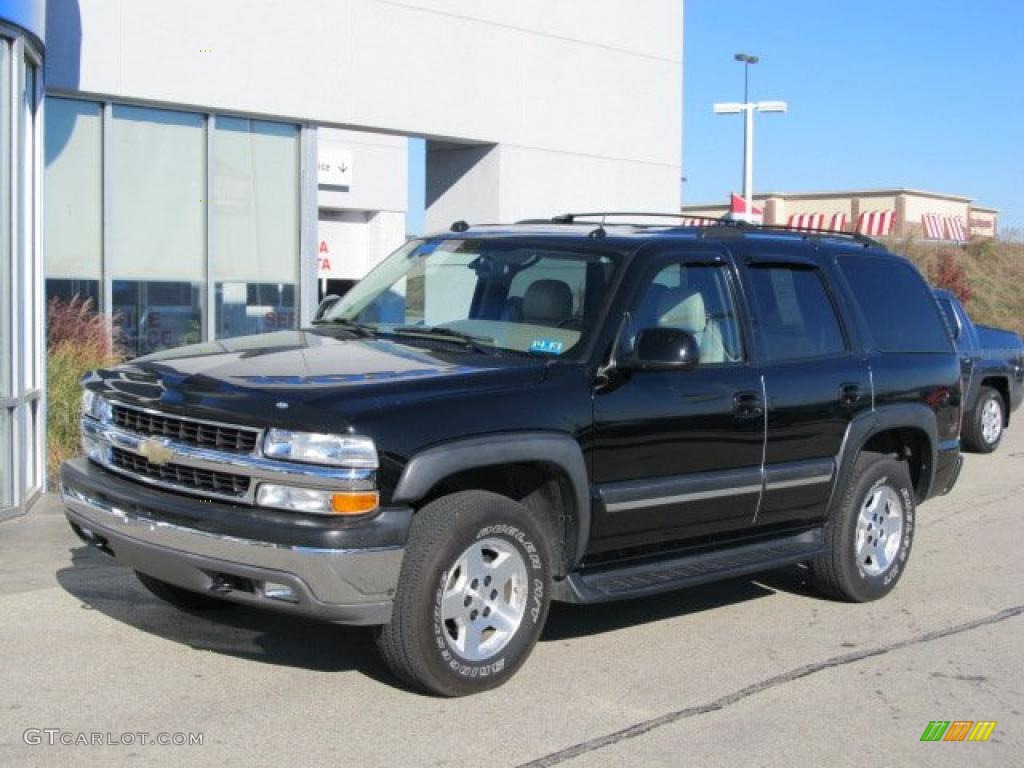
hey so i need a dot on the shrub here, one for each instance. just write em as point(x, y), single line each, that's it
point(77, 341)
point(946, 272)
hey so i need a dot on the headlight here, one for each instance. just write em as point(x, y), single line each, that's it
point(316, 501)
point(316, 448)
point(96, 407)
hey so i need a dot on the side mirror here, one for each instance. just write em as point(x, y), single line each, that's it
point(663, 349)
point(325, 306)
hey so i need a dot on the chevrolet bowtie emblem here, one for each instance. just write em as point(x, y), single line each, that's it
point(156, 452)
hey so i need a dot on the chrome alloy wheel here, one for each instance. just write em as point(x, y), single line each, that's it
point(483, 599)
point(879, 530)
point(991, 421)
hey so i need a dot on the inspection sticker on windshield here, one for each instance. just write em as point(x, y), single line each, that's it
point(548, 346)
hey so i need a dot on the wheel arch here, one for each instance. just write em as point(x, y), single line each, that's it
point(1000, 384)
point(907, 431)
point(510, 464)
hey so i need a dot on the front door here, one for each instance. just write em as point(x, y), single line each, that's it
point(677, 454)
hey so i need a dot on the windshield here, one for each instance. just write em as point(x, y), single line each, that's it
point(493, 293)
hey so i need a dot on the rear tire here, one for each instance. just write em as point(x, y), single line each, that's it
point(869, 537)
point(472, 596)
point(181, 599)
point(984, 428)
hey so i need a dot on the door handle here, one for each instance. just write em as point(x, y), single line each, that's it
point(849, 395)
point(747, 406)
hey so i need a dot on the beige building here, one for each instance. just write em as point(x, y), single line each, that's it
point(877, 212)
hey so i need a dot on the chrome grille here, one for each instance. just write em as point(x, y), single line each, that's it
point(198, 433)
point(186, 478)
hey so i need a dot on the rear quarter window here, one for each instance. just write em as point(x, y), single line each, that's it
point(898, 306)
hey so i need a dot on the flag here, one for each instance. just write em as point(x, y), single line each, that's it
point(738, 210)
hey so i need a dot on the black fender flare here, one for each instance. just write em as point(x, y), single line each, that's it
point(866, 425)
point(427, 468)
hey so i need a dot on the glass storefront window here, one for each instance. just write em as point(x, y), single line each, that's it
point(57, 288)
point(21, 343)
point(6, 294)
point(157, 224)
point(6, 468)
point(164, 241)
point(157, 315)
point(6, 274)
point(74, 198)
point(254, 258)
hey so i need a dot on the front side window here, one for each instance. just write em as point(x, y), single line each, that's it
point(797, 318)
point(504, 295)
point(697, 299)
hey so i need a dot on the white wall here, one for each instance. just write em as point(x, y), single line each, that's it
point(571, 90)
point(380, 169)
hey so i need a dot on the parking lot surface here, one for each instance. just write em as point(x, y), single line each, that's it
point(758, 671)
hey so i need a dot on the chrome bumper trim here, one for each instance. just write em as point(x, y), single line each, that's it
point(338, 577)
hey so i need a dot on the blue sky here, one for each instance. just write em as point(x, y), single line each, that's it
point(925, 94)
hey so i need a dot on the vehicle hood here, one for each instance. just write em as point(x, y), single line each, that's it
point(307, 377)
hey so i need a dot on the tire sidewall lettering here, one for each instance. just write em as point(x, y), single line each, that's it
point(534, 601)
point(885, 580)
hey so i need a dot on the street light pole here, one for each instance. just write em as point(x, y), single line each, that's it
point(748, 132)
point(748, 108)
point(748, 158)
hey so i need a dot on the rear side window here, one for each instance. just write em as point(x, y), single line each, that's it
point(797, 318)
point(899, 308)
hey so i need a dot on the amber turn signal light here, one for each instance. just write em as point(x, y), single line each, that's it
point(355, 502)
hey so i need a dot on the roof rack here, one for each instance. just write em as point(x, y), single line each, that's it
point(855, 236)
point(735, 224)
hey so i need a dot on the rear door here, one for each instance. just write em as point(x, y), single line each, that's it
point(814, 381)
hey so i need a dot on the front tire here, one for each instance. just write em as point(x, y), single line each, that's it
point(472, 597)
point(869, 537)
point(984, 428)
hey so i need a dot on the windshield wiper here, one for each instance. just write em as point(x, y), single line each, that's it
point(482, 344)
point(361, 329)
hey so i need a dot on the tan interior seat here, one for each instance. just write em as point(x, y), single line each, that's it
point(684, 309)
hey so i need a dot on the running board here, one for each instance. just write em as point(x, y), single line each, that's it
point(602, 584)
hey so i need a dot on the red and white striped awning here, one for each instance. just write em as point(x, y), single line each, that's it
point(838, 223)
point(876, 222)
point(932, 226)
point(956, 228)
point(806, 221)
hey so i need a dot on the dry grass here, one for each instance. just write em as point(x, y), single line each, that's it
point(77, 341)
point(995, 274)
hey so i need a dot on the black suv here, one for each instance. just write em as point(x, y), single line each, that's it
point(498, 417)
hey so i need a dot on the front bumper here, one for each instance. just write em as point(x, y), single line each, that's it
point(133, 526)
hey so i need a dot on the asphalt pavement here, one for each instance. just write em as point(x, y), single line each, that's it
point(753, 672)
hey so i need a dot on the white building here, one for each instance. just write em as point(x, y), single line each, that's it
point(208, 164)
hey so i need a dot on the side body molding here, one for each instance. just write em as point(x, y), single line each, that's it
point(886, 417)
point(429, 467)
